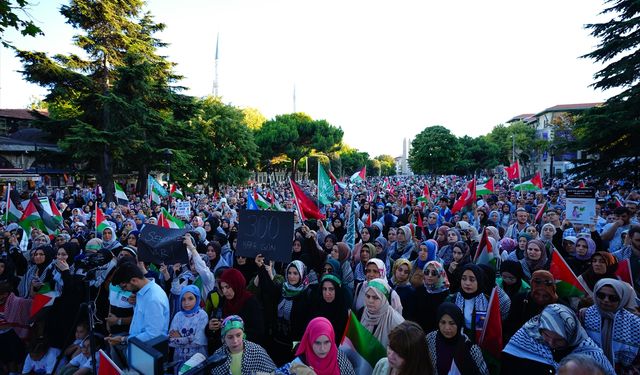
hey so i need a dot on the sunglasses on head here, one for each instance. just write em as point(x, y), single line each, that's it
point(610, 297)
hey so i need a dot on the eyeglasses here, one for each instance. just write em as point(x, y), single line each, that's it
point(542, 282)
point(431, 273)
point(610, 297)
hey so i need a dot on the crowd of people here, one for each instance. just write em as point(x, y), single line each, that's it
point(407, 270)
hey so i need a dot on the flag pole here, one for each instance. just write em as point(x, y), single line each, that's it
point(296, 199)
point(6, 212)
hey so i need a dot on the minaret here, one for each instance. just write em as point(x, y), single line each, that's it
point(215, 69)
point(294, 98)
point(404, 156)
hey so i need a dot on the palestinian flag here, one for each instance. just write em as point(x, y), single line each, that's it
point(106, 365)
point(261, 201)
point(334, 180)
point(467, 198)
point(359, 176)
point(361, 347)
point(166, 220)
point(567, 284)
point(541, 212)
point(490, 341)
point(121, 196)
point(306, 207)
point(14, 211)
point(530, 185)
point(57, 216)
point(624, 271)
point(175, 192)
point(325, 189)
point(42, 301)
point(274, 203)
point(484, 253)
point(486, 188)
point(426, 196)
point(101, 221)
point(31, 218)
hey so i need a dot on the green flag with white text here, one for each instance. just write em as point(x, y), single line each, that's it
point(325, 188)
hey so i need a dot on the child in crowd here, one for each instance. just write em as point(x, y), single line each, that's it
point(82, 331)
point(186, 333)
point(41, 358)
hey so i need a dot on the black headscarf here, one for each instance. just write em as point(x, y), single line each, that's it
point(457, 348)
point(480, 276)
point(515, 269)
point(336, 311)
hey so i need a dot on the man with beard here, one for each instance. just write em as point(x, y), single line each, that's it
point(525, 306)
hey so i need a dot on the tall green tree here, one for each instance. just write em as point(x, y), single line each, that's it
point(14, 15)
point(477, 154)
point(226, 151)
point(86, 93)
point(525, 141)
point(296, 136)
point(387, 164)
point(609, 134)
point(434, 150)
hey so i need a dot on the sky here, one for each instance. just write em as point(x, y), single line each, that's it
point(381, 70)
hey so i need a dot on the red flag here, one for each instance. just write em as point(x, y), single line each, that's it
point(54, 208)
point(490, 340)
point(306, 207)
point(467, 198)
point(369, 218)
point(581, 186)
point(513, 171)
point(421, 224)
point(107, 367)
point(624, 271)
point(537, 180)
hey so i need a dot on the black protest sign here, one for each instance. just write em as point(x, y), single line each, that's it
point(269, 233)
point(162, 245)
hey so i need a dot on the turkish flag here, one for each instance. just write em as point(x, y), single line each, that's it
point(513, 171)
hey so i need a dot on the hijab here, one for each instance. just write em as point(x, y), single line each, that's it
point(111, 244)
point(432, 250)
point(343, 252)
point(479, 274)
point(380, 322)
point(442, 230)
point(528, 343)
point(515, 269)
point(534, 265)
point(237, 282)
point(443, 282)
point(395, 266)
point(321, 366)
point(543, 288)
point(591, 278)
point(591, 248)
point(607, 317)
point(455, 348)
point(289, 291)
point(196, 292)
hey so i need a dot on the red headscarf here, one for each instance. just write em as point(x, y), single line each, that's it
point(238, 283)
point(322, 366)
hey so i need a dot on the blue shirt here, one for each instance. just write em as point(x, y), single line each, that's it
point(150, 314)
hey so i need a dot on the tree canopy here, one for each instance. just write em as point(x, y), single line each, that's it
point(14, 15)
point(609, 134)
point(296, 136)
point(434, 150)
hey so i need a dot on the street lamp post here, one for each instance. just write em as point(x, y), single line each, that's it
point(552, 154)
point(167, 155)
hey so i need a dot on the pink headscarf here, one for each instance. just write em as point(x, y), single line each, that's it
point(322, 366)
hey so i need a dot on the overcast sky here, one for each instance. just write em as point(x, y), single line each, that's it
point(381, 70)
